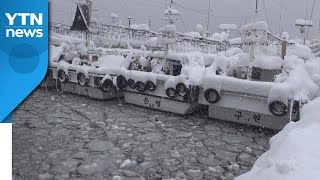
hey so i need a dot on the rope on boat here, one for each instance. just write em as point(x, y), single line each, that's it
point(60, 92)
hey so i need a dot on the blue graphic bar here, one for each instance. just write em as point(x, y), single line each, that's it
point(8, 119)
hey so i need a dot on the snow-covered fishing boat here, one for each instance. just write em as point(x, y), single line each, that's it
point(165, 87)
point(265, 90)
point(83, 72)
point(249, 80)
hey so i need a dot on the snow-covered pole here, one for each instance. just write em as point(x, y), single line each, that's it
point(284, 49)
point(257, 7)
point(88, 33)
point(253, 44)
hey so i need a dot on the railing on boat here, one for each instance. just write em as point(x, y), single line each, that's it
point(121, 34)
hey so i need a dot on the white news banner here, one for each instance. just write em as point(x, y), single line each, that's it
point(5, 151)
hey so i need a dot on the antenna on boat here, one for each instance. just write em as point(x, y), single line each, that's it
point(319, 31)
point(149, 23)
point(209, 15)
point(257, 10)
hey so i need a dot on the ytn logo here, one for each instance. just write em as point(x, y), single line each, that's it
point(24, 25)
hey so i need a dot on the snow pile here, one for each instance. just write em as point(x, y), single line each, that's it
point(194, 69)
point(193, 34)
point(257, 26)
point(258, 39)
point(285, 35)
point(170, 28)
point(110, 61)
point(294, 152)
point(232, 51)
point(313, 68)
point(235, 41)
point(302, 22)
point(268, 62)
point(294, 82)
point(228, 27)
point(55, 53)
point(140, 27)
point(220, 37)
point(58, 38)
point(300, 51)
point(199, 28)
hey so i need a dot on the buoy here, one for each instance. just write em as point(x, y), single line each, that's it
point(82, 80)
point(151, 86)
point(181, 89)
point(141, 87)
point(97, 81)
point(131, 84)
point(106, 86)
point(121, 82)
point(171, 93)
point(62, 76)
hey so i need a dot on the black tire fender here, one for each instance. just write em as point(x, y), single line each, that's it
point(62, 76)
point(106, 86)
point(278, 108)
point(151, 86)
point(171, 93)
point(121, 82)
point(82, 80)
point(212, 100)
point(132, 84)
point(141, 87)
point(183, 87)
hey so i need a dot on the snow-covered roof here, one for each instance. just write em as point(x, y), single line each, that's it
point(302, 22)
point(268, 62)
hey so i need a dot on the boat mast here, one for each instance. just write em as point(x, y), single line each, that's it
point(253, 44)
point(208, 23)
point(88, 33)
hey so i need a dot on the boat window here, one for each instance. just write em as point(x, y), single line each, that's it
point(256, 73)
point(177, 70)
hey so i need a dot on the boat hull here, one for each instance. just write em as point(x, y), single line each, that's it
point(246, 109)
point(160, 103)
